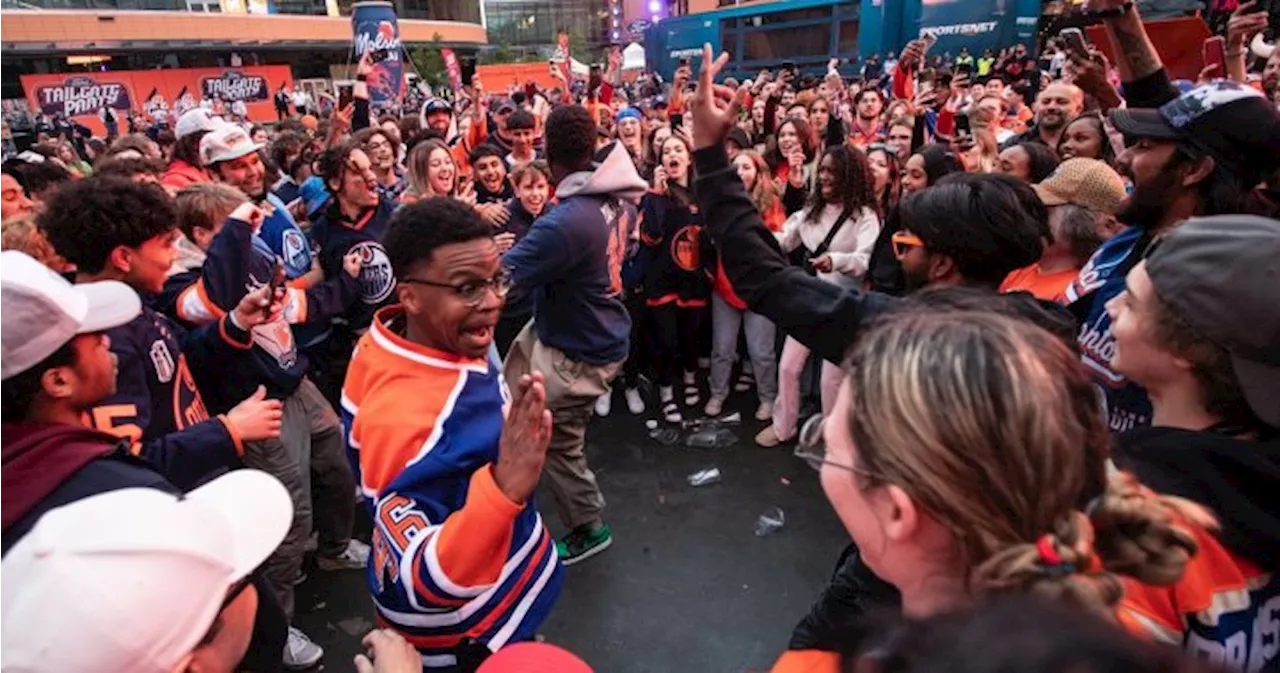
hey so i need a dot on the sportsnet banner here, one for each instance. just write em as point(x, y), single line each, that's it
point(80, 96)
point(975, 24)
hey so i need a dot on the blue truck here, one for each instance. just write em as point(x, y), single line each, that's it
point(809, 33)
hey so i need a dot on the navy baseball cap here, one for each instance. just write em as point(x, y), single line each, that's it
point(1231, 122)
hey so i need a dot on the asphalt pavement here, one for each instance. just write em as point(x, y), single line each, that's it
point(687, 584)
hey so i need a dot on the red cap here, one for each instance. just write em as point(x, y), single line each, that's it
point(533, 658)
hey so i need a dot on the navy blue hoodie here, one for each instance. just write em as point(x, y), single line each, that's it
point(571, 260)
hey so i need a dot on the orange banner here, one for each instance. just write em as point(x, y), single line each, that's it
point(1178, 41)
point(81, 96)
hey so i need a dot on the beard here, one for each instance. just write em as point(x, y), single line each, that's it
point(1147, 205)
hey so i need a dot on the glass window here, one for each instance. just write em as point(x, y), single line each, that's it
point(729, 42)
point(848, 45)
point(764, 45)
point(797, 15)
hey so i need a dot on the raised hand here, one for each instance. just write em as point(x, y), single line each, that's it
point(352, 263)
point(714, 107)
point(525, 435)
point(256, 308)
point(1244, 23)
point(249, 212)
point(257, 417)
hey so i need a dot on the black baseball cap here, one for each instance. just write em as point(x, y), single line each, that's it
point(738, 137)
point(1221, 275)
point(1233, 123)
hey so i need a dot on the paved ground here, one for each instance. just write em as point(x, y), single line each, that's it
point(687, 586)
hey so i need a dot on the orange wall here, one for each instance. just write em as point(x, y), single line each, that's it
point(77, 28)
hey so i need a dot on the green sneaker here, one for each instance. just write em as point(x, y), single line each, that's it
point(582, 543)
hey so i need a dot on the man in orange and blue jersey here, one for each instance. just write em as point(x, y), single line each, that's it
point(446, 459)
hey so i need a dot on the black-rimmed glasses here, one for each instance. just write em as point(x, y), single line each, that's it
point(471, 292)
point(811, 447)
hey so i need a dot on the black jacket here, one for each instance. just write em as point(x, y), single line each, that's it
point(818, 314)
point(1238, 479)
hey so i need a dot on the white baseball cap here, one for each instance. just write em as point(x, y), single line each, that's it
point(132, 579)
point(224, 143)
point(42, 311)
point(196, 120)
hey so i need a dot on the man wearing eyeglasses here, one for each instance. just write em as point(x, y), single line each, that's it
point(447, 459)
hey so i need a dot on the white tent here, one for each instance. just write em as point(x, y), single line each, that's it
point(633, 57)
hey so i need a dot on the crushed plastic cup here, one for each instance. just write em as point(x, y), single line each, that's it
point(665, 436)
point(711, 438)
point(771, 521)
point(710, 475)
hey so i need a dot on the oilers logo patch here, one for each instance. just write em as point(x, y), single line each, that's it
point(296, 253)
point(376, 280)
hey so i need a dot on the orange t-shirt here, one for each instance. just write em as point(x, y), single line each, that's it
point(1044, 286)
point(807, 661)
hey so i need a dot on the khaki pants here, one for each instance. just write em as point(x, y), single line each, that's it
point(572, 389)
point(310, 445)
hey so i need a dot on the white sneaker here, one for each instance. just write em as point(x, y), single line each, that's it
point(354, 557)
point(300, 652)
point(670, 410)
point(635, 403)
point(764, 412)
point(714, 406)
point(604, 404)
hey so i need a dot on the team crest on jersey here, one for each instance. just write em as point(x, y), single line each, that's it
point(686, 248)
point(376, 280)
point(162, 360)
point(295, 250)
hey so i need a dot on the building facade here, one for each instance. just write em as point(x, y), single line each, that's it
point(311, 36)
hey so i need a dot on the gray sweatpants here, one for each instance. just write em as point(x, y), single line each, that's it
point(761, 333)
point(309, 448)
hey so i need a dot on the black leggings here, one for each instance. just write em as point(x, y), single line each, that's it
point(674, 340)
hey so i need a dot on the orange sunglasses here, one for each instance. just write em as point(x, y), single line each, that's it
point(902, 241)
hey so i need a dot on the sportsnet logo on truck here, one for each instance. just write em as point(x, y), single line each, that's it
point(82, 95)
point(234, 85)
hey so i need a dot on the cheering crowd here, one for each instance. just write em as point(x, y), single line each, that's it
point(1038, 309)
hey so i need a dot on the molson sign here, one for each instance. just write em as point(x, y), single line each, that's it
point(236, 85)
point(374, 28)
point(81, 95)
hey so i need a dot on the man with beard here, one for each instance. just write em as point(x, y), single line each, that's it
point(867, 128)
point(1202, 153)
point(1058, 104)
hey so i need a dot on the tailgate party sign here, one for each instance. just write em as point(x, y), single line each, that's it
point(80, 96)
point(77, 95)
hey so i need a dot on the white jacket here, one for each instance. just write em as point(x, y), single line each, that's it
point(850, 249)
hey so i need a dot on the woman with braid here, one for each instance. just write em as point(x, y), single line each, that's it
point(966, 456)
